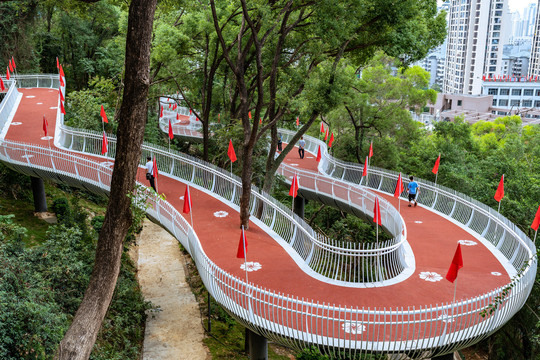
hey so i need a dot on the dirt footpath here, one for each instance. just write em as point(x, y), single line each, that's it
point(173, 330)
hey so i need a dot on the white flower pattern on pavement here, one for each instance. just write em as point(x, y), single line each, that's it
point(418, 222)
point(181, 197)
point(220, 214)
point(251, 266)
point(430, 276)
point(467, 242)
point(16, 123)
point(496, 273)
point(445, 318)
point(352, 327)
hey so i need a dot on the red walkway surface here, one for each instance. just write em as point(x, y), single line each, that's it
point(432, 238)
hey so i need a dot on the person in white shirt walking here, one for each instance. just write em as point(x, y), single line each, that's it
point(150, 172)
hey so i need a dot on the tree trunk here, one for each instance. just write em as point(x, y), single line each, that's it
point(81, 335)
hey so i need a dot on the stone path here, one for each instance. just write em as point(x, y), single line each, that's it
point(174, 330)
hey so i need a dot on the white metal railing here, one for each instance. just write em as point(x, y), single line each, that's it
point(415, 332)
point(8, 102)
point(508, 239)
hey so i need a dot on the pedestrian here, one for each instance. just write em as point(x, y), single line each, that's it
point(150, 172)
point(301, 146)
point(280, 142)
point(413, 190)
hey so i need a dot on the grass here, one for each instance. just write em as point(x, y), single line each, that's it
point(23, 209)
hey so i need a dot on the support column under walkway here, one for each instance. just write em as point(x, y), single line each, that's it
point(258, 346)
point(38, 191)
point(299, 205)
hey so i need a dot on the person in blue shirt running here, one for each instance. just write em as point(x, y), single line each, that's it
point(412, 189)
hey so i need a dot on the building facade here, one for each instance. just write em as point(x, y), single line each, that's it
point(534, 63)
point(516, 96)
point(477, 30)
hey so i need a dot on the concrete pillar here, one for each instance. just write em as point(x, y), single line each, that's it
point(38, 190)
point(299, 205)
point(444, 357)
point(258, 346)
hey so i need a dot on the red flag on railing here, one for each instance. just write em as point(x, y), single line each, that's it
point(104, 144)
point(155, 169)
point(230, 151)
point(187, 201)
point(7, 73)
point(293, 191)
point(57, 63)
point(377, 212)
point(171, 135)
point(249, 114)
point(13, 62)
point(62, 71)
point(45, 124)
point(10, 66)
point(103, 115)
point(62, 109)
point(242, 245)
point(370, 154)
point(536, 221)
point(322, 127)
point(177, 116)
point(319, 154)
point(189, 112)
point(499, 194)
point(161, 111)
point(436, 166)
point(61, 95)
point(2, 87)
point(364, 172)
point(61, 80)
point(260, 120)
point(457, 263)
point(399, 186)
point(331, 140)
point(298, 121)
point(326, 135)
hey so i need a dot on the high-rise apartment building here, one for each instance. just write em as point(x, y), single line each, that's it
point(534, 63)
point(476, 33)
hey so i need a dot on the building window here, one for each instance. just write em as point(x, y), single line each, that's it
point(499, 6)
point(527, 103)
point(537, 92)
point(492, 68)
point(493, 91)
point(528, 92)
point(459, 102)
point(497, 27)
point(498, 13)
point(514, 102)
point(494, 103)
point(505, 91)
point(516, 92)
point(504, 102)
point(537, 104)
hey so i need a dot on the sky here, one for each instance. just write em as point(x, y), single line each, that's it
point(519, 4)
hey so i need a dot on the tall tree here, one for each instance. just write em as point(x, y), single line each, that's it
point(290, 52)
point(81, 336)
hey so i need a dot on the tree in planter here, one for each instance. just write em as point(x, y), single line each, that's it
point(282, 46)
point(81, 336)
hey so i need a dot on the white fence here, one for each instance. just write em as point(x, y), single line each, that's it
point(415, 332)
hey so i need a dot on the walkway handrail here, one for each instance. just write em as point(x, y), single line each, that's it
point(423, 332)
point(306, 243)
point(509, 240)
point(292, 321)
point(8, 102)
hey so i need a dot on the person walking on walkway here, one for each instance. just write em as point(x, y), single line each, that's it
point(150, 172)
point(280, 142)
point(301, 146)
point(412, 189)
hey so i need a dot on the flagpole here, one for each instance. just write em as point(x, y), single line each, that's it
point(437, 173)
point(499, 208)
point(535, 233)
point(190, 207)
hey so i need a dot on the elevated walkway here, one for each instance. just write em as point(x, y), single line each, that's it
point(303, 289)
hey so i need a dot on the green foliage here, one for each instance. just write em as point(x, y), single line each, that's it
point(41, 288)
